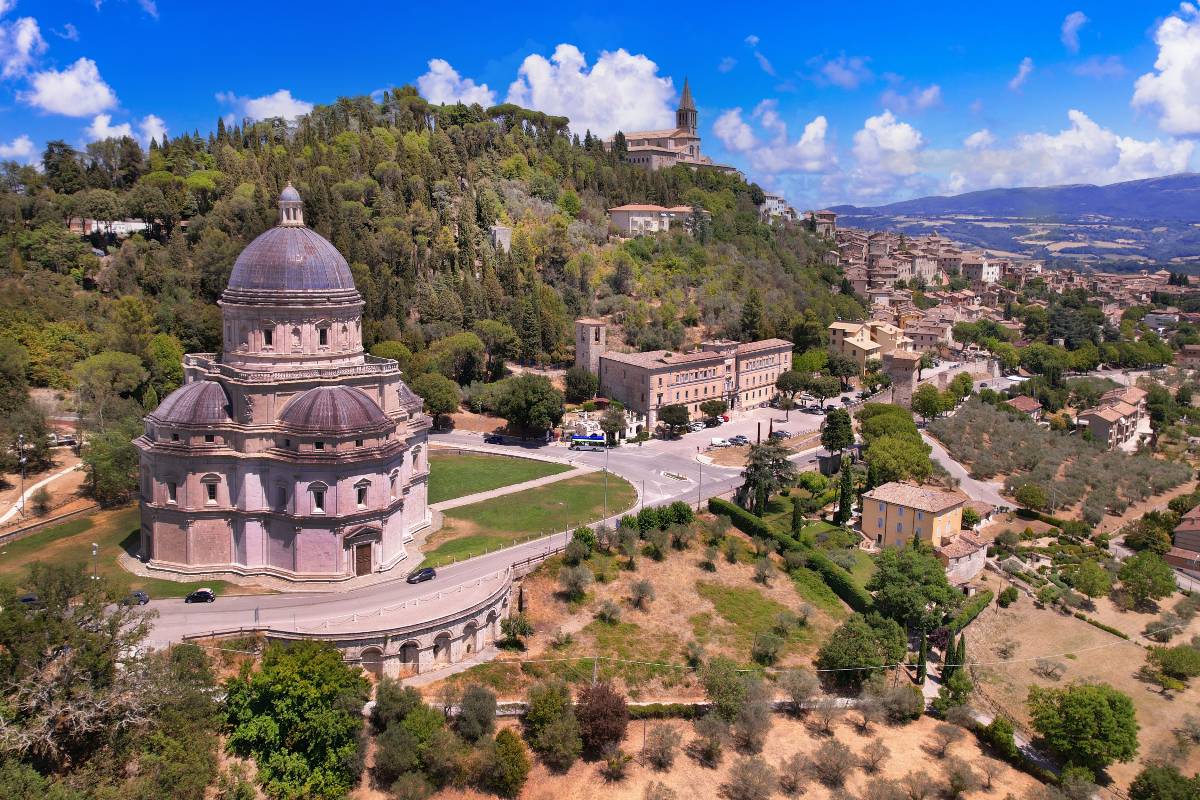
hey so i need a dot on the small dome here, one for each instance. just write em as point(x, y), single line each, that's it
point(333, 410)
point(291, 258)
point(289, 193)
point(198, 403)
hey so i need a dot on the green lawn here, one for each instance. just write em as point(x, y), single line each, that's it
point(747, 611)
point(71, 543)
point(555, 507)
point(458, 475)
point(816, 592)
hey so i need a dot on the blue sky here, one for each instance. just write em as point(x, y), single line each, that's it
point(863, 102)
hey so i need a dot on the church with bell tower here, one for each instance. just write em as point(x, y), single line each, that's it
point(667, 148)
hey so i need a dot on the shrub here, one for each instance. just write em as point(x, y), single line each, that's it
point(609, 612)
point(656, 544)
point(885, 789)
point(766, 648)
point(476, 713)
point(656, 790)
point(711, 733)
point(793, 777)
point(1008, 596)
point(750, 778)
point(576, 552)
point(724, 686)
point(753, 721)
point(903, 703)
point(602, 716)
point(509, 765)
point(411, 786)
point(971, 610)
point(615, 763)
point(662, 741)
point(960, 778)
point(874, 754)
point(664, 711)
point(393, 702)
point(709, 562)
point(944, 735)
point(550, 722)
point(641, 594)
point(732, 549)
point(764, 571)
point(832, 762)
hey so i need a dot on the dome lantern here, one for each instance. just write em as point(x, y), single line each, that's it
point(291, 207)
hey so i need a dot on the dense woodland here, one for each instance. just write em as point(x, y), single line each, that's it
point(406, 191)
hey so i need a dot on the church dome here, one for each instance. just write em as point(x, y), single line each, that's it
point(290, 256)
point(333, 410)
point(198, 403)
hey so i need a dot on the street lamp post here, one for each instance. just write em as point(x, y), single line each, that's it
point(700, 486)
point(95, 565)
point(606, 448)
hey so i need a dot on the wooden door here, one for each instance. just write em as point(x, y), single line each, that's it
point(362, 559)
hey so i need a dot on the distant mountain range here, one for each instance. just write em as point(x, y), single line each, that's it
point(1123, 225)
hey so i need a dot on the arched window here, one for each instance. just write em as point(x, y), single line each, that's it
point(317, 491)
point(393, 479)
point(360, 493)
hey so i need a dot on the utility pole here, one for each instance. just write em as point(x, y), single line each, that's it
point(700, 486)
point(21, 463)
point(606, 449)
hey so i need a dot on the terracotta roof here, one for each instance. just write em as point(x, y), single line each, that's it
point(333, 410)
point(763, 344)
point(651, 358)
point(1024, 403)
point(923, 498)
point(637, 207)
point(1107, 413)
point(1128, 394)
point(196, 403)
point(964, 544)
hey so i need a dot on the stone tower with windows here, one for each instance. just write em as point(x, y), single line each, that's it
point(685, 115)
point(591, 339)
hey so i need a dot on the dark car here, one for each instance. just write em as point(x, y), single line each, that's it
point(780, 434)
point(200, 596)
point(493, 438)
point(136, 598)
point(847, 400)
point(422, 575)
point(712, 422)
point(29, 600)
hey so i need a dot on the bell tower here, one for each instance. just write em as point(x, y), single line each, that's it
point(685, 115)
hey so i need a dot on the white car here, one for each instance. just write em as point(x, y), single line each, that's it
point(695, 426)
point(718, 442)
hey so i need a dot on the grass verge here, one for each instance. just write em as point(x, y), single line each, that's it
point(454, 475)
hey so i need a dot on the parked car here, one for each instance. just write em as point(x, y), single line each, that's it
point(847, 401)
point(725, 418)
point(718, 442)
point(712, 422)
point(136, 598)
point(814, 410)
point(203, 595)
point(493, 438)
point(781, 434)
point(695, 426)
point(739, 440)
point(422, 575)
point(31, 600)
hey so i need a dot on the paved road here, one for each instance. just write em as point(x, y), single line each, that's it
point(25, 498)
point(975, 489)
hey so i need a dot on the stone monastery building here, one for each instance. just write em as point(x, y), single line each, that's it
point(293, 453)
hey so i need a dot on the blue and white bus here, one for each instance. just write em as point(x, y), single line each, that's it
point(593, 441)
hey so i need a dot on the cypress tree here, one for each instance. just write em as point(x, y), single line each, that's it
point(950, 659)
point(962, 651)
point(922, 659)
point(845, 498)
point(797, 516)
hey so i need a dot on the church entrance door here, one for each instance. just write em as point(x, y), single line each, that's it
point(362, 559)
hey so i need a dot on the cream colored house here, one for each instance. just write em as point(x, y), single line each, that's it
point(895, 513)
point(862, 341)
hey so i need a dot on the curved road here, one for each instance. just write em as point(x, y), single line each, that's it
point(662, 471)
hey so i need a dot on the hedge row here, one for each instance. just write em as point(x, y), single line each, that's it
point(751, 524)
point(971, 610)
point(666, 711)
point(1097, 623)
point(838, 579)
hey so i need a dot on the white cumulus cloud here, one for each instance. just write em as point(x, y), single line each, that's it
point(102, 128)
point(19, 149)
point(620, 91)
point(77, 91)
point(1173, 88)
point(152, 127)
point(443, 84)
point(1070, 30)
point(21, 43)
point(277, 104)
point(775, 152)
point(1085, 152)
point(1023, 71)
point(979, 140)
point(886, 154)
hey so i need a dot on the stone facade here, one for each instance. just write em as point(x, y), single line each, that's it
point(292, 453)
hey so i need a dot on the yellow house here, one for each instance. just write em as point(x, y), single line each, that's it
point(862, 341)
point(894, 513)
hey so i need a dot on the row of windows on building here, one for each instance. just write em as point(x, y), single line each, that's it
point(318, 491)
point(324, 337)
point(317, 445)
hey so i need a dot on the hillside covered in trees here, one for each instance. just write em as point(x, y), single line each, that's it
point(407, 192)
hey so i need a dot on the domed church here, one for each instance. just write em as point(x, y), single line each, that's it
point(293, 453)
